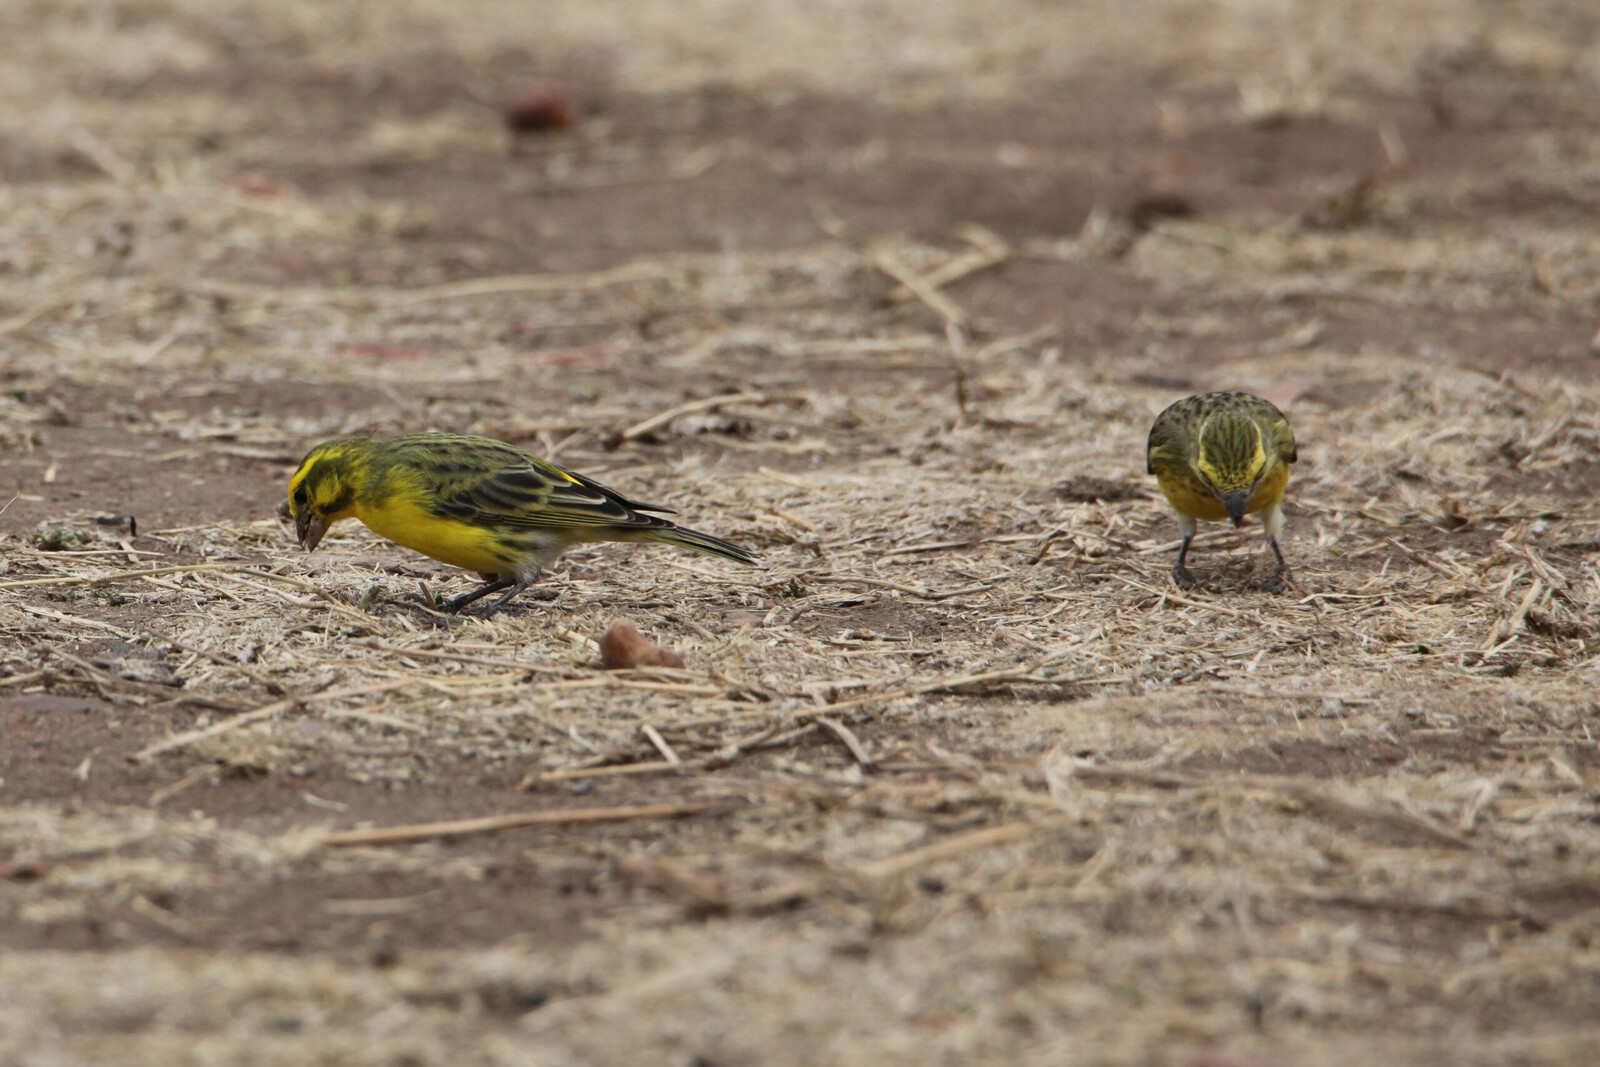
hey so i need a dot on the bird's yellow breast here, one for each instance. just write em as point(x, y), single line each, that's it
point(460, 544)
point(1192, 497)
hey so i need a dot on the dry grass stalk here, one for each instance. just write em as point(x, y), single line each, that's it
point(948, 848)
point(491, 824)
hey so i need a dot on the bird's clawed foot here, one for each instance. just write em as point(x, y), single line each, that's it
point(433, 618)
point(1279, 582)
point(431, 607)
point(512, 589)
point(1182, 578)
point(519, 590)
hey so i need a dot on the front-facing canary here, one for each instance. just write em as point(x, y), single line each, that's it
point(475, 503)
point(1223, 456)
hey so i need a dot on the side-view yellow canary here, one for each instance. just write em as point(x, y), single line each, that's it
point(1223, 456)
point(475, 503)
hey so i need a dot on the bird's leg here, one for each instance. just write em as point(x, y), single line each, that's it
point(500, 601)
point(512, 584)
point(1281, 577)
point(1180, 573)
point(500, 582)
point(1272, 521)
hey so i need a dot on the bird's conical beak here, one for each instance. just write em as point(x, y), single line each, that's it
point(1236, 503)
point(310, 530)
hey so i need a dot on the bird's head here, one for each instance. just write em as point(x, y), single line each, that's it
point(322, 491)
point(1233, 460)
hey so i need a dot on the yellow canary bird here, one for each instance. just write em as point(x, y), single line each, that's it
point(1223, 456)
point(475, 503)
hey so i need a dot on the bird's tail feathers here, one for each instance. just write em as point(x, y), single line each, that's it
point(700, 542)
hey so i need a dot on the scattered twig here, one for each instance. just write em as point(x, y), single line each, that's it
point(605, 770)
point(490, 824)
point(1391, 817)
point(172, 789)
point(778, 733)
point(1027, 675)
point(850, 740)
point(73, 620)
point(527, 666)
point(230, 662)
point(476, 287)
point(1292, 790)
point(337, 606)
point(955, 319)
point(989, 250)
point(1179, 598)
point(1135, 776)
point(266, 711)
point(661, 744)
point(1001, 346)
point(1508, 627)
point(108, 680)
point(793, 480)
point(28, 318)
point(791, 517)
point(105, 157)
point(610, 681)
point(1481, 798)
point(700, 897)
point(123, 576)
point(707, 403)
point(234, 722)
point(900, 587)
point(1428, 561)
point(1390, 903)
point(988, 837)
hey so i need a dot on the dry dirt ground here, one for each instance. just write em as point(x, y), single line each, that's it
point(888, 291)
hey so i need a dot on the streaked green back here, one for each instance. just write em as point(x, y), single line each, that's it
point(1223, 427)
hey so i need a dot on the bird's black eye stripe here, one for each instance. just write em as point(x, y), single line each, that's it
point(300, 496)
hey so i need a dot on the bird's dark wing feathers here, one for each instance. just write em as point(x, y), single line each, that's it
point(1288, 450)
point(529, 495)
point(612, 494)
